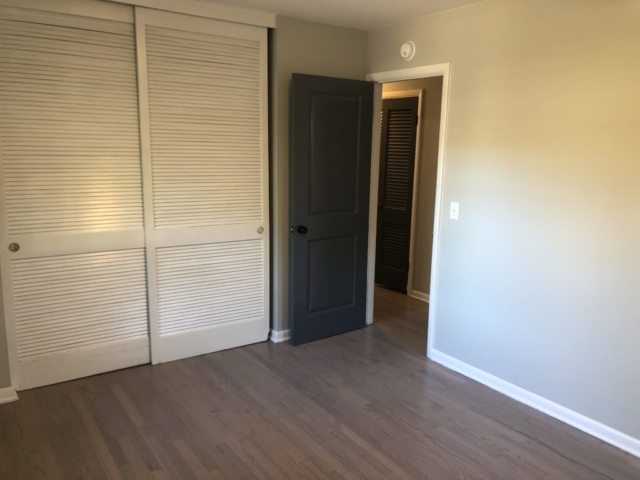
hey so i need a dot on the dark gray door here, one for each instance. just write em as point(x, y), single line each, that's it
point(395, 192)
point(330, 159)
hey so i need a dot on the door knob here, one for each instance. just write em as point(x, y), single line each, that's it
point(14, 247)
point(302, 229)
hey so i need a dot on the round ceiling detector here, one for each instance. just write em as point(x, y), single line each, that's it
point(408, 50)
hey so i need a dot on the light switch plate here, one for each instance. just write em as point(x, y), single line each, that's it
point(455, 211)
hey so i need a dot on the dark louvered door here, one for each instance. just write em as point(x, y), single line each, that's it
point(395, 195)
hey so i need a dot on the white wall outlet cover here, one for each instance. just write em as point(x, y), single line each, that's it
point(408, 50)
point(455, 211)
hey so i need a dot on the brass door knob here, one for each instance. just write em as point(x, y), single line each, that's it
point(260, 230)
point(14, 247)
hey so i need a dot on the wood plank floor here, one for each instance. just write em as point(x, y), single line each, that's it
point(355, 406)
point(403, 318)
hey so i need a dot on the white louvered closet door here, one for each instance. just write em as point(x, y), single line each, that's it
point(74, 281)
point(203, 107)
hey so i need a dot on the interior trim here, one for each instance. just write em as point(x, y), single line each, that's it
point(588, 425)
point(83, 8)
point(8, 395)
point(279, 336)
point(424, 297)
point(208, 10)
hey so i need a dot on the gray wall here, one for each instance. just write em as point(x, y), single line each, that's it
point(427, 173)
point(539, 279)
point(299, 46)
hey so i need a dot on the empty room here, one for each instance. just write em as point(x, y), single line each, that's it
point(290, 239)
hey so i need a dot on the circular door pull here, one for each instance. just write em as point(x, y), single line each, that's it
point(260, 230)
point(14, 247)
point(302, 229)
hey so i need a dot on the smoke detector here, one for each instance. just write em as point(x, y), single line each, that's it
point(408, 50)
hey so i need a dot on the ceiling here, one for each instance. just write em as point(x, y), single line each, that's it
point(360, 14)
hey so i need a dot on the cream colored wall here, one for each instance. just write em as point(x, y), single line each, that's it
point(427, 173)
point(539, 280)
point(299, 46)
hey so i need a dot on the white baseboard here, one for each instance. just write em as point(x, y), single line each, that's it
point(279, 336)
point(592, 427)
point(8, 395)
point(419, 296)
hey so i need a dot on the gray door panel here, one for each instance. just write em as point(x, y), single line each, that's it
point(330, 159)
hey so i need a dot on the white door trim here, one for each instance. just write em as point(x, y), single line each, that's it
point(279, 336)
point(121, 10)
point(208, 10)
point(416, 170)
point(83, 8)
point(440, 70)
point(8, 395)
point(373, 198)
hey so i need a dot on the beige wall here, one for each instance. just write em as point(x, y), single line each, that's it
point(299, 46)
point(427, 173)
point(539, 279)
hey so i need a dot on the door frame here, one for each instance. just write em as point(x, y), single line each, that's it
point(438, 70)
point(416, 170)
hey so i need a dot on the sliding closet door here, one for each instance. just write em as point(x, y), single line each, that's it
point(72, 252)
point(203, 104)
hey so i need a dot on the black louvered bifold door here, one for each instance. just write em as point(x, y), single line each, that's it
point(395, 195)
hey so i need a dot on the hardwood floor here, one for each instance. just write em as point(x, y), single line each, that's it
point(403, 318)
point(354, 406)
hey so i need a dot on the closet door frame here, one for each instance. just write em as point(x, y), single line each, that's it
point(158, 238)
point(103, 10)
point(74, 243)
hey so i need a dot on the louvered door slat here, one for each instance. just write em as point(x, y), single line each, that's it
point(30, 43)
point(196, 63)
point(72, 183)
point(399, 158)
point(205, 94)
point(192, 298)
point(395, 191)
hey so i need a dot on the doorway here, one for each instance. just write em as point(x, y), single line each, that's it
point(397, 189)
point(315, 139)
point(407, 205)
